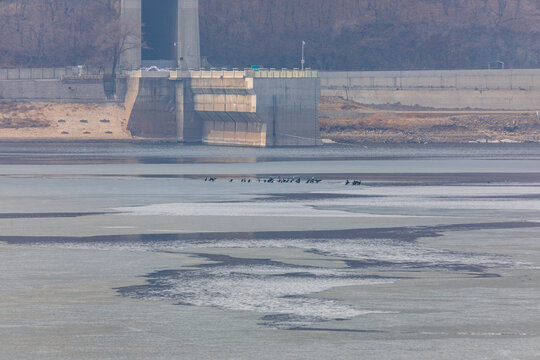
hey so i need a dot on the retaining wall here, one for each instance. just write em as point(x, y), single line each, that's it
point(445, 89)
point(52, 90)
point(56, 90)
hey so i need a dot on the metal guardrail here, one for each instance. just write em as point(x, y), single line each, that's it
point(82, 77)
point(283, 73)
point(48, 73)
point(246, 73)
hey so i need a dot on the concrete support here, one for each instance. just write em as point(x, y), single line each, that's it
point(131, 30)
point(180, 113)
point(154, 114)
point(225, 108)
point(188, 43)
point(189, 126)
point(289, 108)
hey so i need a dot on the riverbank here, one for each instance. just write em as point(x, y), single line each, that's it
point(59, 121)
point(340, 121)
point(349, 122)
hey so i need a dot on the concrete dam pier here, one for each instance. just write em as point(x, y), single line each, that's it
point(252, 108)
point(161, 92)
point(249, 108)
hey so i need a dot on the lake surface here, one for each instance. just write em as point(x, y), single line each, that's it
point(128, 251)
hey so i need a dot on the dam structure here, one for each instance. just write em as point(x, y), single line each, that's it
point(222, 107)
point(160, 92)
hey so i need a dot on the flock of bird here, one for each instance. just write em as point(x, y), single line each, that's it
point(296, 180)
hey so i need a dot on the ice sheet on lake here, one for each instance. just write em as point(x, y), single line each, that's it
point(238, 209)
point(282, 293)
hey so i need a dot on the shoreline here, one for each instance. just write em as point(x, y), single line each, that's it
point(347, 122)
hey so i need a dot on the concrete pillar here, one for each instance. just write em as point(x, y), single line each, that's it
point(131, 28)
point(189, 126)
point(188, 44)
point(180, 113)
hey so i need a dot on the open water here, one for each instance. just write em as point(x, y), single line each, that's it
point(127, 251)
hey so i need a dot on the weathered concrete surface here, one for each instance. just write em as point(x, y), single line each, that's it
point(232, 128)
point(225, 109)
point(289, 108)
point(154, 111)
point(189, 125)
point(52, 90)
point(220, 94)
point(460, 89)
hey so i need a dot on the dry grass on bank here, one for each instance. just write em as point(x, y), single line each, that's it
point(347, 121)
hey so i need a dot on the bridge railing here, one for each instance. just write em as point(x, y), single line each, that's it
point(250, 73)
point(282, 73)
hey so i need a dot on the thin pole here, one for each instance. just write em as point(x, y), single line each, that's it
point(303, 60)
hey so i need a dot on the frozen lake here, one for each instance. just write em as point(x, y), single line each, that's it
point(125, 251)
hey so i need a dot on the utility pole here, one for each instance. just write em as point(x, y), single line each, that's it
point(303, 60)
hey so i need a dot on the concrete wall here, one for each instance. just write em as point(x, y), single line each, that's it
point(225, 108)
point(232, 128)
point(189, 125)
point(220, 94)
point(478, 89)
point(154, 110)
point(289, 108)
point(55, 90)
point(52, 90)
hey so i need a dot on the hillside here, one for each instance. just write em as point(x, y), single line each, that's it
point(45, 33)
point(340, 34)
point(372, 34)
